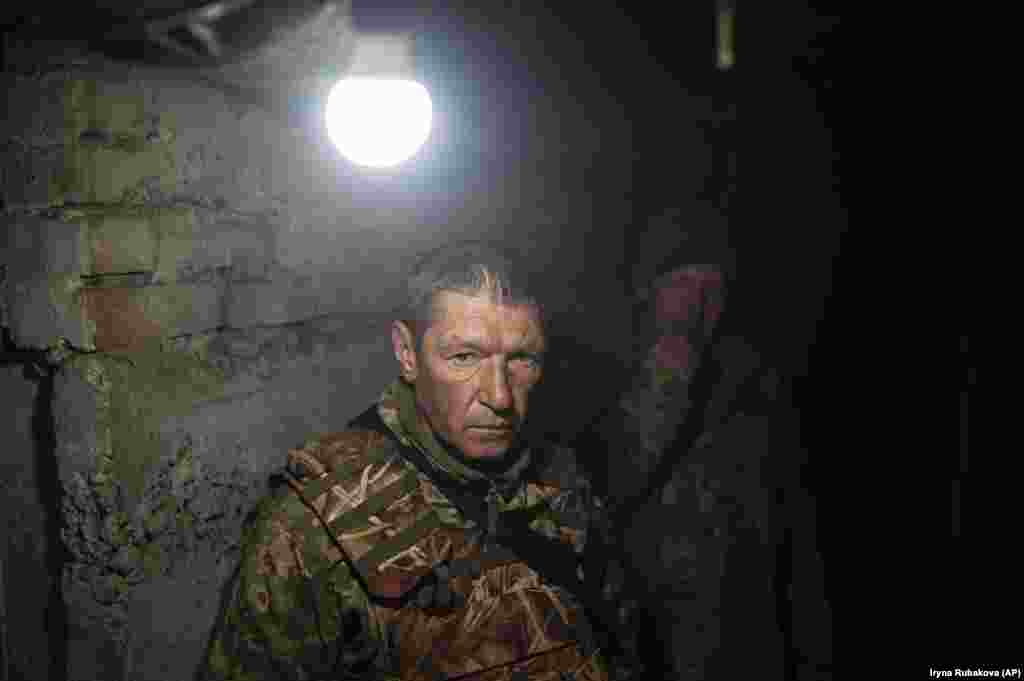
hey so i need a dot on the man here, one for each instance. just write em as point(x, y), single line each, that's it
point(732, 585)
point(432, 539)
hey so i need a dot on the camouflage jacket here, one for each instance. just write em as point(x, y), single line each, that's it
point(361, 568)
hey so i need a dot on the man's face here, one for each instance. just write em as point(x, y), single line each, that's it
point(474, 371)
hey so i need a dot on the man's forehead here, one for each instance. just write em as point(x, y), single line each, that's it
point(479, 319)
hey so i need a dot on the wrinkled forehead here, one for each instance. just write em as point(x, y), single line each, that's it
point(479, 320)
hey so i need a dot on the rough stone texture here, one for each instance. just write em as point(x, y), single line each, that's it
point(33, 110)
point(30, 174)
point(147, 574)
point(45, 296)
point(240, 243)
point(75, 425)
point(40, 264)
point(126, 318)
point(115, 150)
point(30, 245)
point(156, 487)
point(286, 297)
point(121, 241)
point(175, 615)
point(45, 308)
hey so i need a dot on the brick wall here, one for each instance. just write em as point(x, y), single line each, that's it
point(141, 247)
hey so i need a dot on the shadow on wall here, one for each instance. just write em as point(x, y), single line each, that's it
point(49, 494)
point(580, 384)
point(51, 641)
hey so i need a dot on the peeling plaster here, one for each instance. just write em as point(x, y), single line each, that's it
point(113, 151)
point(133, 395)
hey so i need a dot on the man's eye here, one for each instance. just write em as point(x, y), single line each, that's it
point(463, 359)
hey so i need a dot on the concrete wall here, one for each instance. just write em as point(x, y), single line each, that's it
point(28, 580)
point(212, 288)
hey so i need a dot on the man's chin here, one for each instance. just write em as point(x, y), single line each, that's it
point(486, 444)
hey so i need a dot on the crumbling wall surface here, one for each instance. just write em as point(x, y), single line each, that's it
point(144, 248)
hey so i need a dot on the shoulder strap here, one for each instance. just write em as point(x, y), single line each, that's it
point(555, 561)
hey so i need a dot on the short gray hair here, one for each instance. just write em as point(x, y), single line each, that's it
point(468, 267)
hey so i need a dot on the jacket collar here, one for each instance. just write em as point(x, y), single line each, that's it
point(397, 409)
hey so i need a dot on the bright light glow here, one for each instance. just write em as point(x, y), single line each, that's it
point(378, 122)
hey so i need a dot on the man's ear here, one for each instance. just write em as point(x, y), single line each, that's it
point(404, 343)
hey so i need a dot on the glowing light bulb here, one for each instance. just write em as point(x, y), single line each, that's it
point(378, 122)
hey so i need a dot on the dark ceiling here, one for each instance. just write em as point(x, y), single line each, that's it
point(635, 85)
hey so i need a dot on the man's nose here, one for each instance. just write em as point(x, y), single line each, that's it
point(494, 389)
